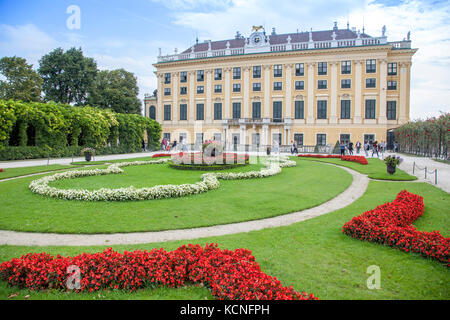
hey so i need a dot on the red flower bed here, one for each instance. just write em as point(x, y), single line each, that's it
point(160, 155)
point(320, 156)
point(228, 274)
point(358, 159)
point(1, 170)
point(391, 224)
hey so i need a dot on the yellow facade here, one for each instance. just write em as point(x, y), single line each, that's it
point(266, 126)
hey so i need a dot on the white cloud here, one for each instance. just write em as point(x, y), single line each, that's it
point(25, 41)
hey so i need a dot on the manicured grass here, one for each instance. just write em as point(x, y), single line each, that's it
point(307, 185)
point(442, 161)
point(17, 172)
point(376, 169)
point(314, 255)
point(187, 292)
point(92, 163)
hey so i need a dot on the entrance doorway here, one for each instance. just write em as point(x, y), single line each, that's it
point(256, 140)
point(235, 137)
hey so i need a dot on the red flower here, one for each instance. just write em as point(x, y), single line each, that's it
point(391, 224)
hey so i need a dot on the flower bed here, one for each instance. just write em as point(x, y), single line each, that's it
point(320, 156)
point(359, 159)
point(160, 155)
point(391, 224)
point(230, 275)
point(209, 182)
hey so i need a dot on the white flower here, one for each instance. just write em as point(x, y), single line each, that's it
point(209, 182)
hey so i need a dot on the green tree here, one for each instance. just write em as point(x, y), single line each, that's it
point(116, 90)
point(22, 82)
point(68, 76)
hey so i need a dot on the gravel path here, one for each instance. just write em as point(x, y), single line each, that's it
point(355, 191)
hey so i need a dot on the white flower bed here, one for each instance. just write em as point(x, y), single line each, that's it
point(209, 182)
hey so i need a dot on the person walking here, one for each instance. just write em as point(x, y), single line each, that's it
point(366, 148)
point(375, 149)
point(350, 148)
point(358, 147)
point(342, 148)
point(174, 146)
point(292, 147)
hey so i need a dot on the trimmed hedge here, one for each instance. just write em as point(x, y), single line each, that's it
point(39, 130)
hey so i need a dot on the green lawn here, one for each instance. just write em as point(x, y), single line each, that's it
point(376, 169)
point(312, 255)
point(307, 185)
point(17, 172)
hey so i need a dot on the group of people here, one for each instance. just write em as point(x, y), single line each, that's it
point(166, 145)
point(376, 147)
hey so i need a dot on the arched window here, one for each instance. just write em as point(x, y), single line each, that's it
point(152, 112)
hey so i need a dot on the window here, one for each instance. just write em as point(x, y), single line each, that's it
point(183, 90)
point(183, 111)
point(371, 66)
point(300, 69)
point(371, 83)
point(369, 138)
point(217, 74)
point(392, 69)
point(217, 137)
point(167, 91)
point(346, 67)
point(218, 111)
point(200, 111)
point(218, 88)
point(277, 111)
point(166, 136)
point(322, 68)
point(346, 83)
point(278, 86)
point(199, 138)
point(299, 109)
point(322, 84)
point(321, 109)
point(200, 75)
point(370, 109)
point(167, 112)
point(167, 78)
point(345, 109)
point(391, 110)
point(236, 73)
point(299, 85)
point(183, 76)
point(321, 139)
point(152, 112)
point(236, 110)
point(392, 85)
point(236, 87)
point(298, 138)
point(278, 70)
point(200, 89)
point(256, 110)
point(257, 86)
point(344, 138)
point(257, 72)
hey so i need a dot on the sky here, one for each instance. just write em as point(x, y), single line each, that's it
point(128, 34)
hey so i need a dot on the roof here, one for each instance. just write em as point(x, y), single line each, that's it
point(326, 35)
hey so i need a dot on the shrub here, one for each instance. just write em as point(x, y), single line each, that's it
point(391, 224)
point(230, 275)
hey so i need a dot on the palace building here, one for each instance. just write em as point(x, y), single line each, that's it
point(315, 87)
